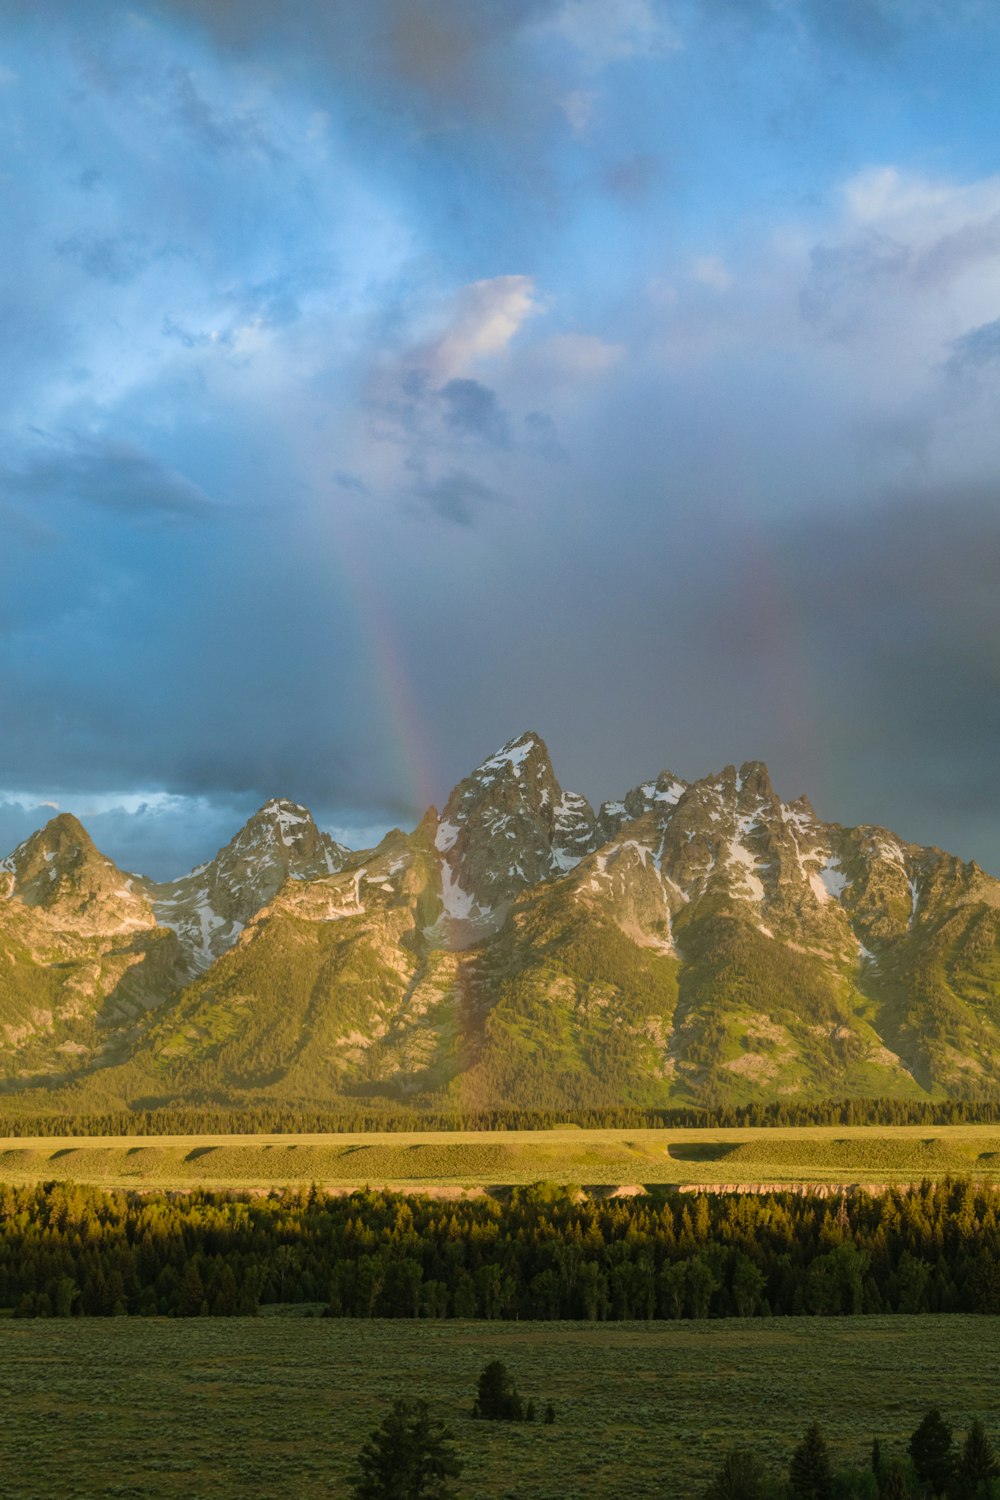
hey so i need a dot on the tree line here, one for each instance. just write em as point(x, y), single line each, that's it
point(412, 1455)
point(547, 1252)
point(933, 1465)
point(282, 1119)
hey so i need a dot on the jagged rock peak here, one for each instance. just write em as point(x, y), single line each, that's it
point(508, 825)
point(755, 779)
point(660, 795)
point(285, 832)
point(209, 908)
point(528, 755)
point(60, 869)
point(63, 836)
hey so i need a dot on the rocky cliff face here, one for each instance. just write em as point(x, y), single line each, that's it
point(82, 960)
point(209, 908)
point(701, 940)
point(506, 827)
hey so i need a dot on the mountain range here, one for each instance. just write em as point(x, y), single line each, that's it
point(700, 942)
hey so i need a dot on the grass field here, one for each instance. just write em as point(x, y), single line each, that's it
point(441, 1160)
point(227, 1408)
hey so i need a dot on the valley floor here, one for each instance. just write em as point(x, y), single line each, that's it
point(450, 1161)
point(220, 1408)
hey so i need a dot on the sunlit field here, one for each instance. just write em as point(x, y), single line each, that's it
point(750, 1158)
point(279, 1406)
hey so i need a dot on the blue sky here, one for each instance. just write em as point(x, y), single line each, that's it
point(385, 378)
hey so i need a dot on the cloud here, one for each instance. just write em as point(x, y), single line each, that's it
point(353, 482)
point(584, 355)
point(483, 319)
point(633, 178)
point(603, 32)
point(975, 350)
point(710, 271)
point(862, 28)
point(110, 474)
point(472, 410)
point(118, 259)
point(214, 130)
point(578, 107)
point(457, 497)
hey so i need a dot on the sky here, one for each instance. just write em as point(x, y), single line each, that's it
point(383, 378)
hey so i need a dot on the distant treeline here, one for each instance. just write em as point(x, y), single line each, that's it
point(547, 1253)
point(283, 1119)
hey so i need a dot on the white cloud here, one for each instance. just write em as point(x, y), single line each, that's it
point(582, 354)
point(483, 320)
point(710, 271)
point(578, 107)
point(606, 31)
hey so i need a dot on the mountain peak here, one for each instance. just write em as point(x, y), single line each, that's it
point(755, 778)
point(60, 870)
point(508, 825)
point(209, 908)
point(526, 750)
point(61, 843)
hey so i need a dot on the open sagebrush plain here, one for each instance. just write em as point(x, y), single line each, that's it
point(451, 1160)
point(227, 1408)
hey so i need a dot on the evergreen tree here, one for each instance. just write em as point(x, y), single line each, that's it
point(932, 1452)
point(809, 1474)
point(876, 1461)
point(408, 1457)
point(978, 1463)
point(498, 1399)
point(741, 1477)
point(894, 1486)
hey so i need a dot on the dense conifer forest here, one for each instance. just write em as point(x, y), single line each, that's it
point(545, 1253)
point(250, 1119)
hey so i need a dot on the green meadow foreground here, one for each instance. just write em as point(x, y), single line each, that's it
point(229, 1408)
point(444, 1159)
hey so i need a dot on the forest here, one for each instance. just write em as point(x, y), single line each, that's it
point(545, 1252)
point(18, 1120)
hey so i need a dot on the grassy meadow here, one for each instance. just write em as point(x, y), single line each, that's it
point(447, 1160)
point(221, 1409)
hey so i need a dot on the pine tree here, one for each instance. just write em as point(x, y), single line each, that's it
point(741, 1477)
point(498, 1399)
point(978, 1463)
point(408, 1457)
point(876, 1460)
point(932, 1452)
point(809, 1475)
point(894, 1485)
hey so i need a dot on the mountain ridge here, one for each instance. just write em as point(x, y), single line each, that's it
point(695, 941)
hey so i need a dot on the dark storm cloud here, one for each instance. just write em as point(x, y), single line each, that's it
point(444, 54)
point(842, 279)
point(457, 497)
point(898, 615)
point(108, 473)
point(413, 373)
point(115, 258)
point(473, 410)
point(976, 350)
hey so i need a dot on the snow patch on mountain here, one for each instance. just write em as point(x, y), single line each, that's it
point(829, 881)
point(747, 866)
